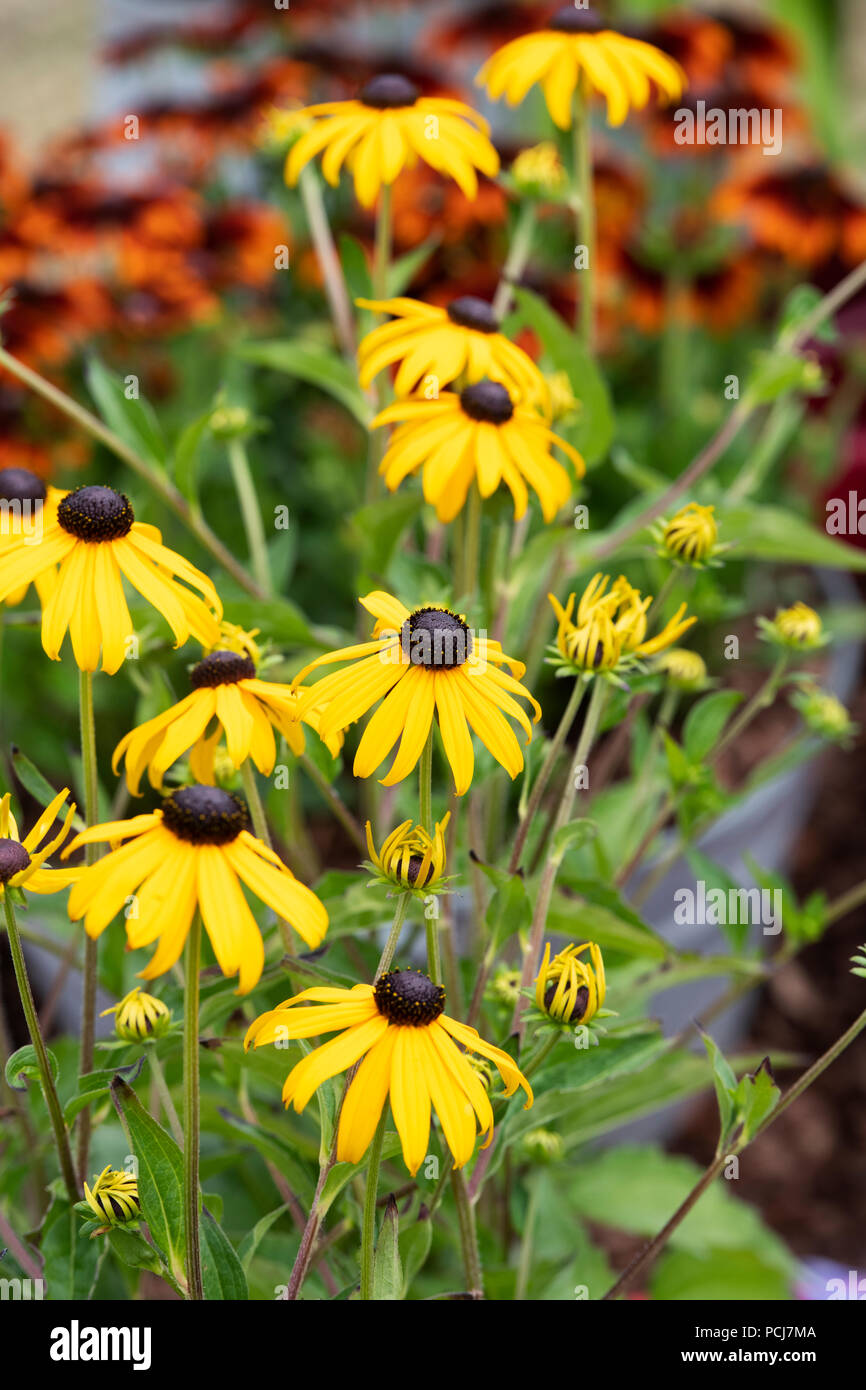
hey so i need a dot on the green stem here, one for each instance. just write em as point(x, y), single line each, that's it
point(468, 1235)
point(381, 263)
point(759, 701)
point(164, 1094)
point(335, 802)
point(585, 215)
point(473, 541)
point(368, 1227)
point(516, 260)
point(393, 936)
point(251, 514)
point(90, 962)
point(543, 776)
point(524, 1267)
point(425, 784)
point(191, 1109)
point(329, 261)
point(61, 1136)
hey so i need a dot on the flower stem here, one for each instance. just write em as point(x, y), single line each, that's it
point(164, 1094)
point(393, 936)
point(335, 802)
point(515, 261)
point(91, 853)
point(425, 801)
point(585, 219)
point(468, 1235)
point(543, 777)
point(381, 262)
point(368, 1227)
point(329, 261)
point(58, 1124)
point(524, 1268)
point(473, 541)
point(191, 1116)
point(251, 514)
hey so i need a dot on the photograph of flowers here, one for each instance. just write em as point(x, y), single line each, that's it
point(432, 769)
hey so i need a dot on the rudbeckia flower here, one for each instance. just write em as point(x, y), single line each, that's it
point(246, 709)
point(95, 540)
point(576, 46)
point(412, 1051)
point(139, 1016)
point(192, 853)
point(568, 989)
point(410, 858)
point(691, 537)
point(683, 669)
point(27, 506)
point(480, 435)
point(798, 628)
point(610, 625)
point(463, 339)
point(21, 861)
point(389, 128)
point(114, 1197)
point(419, 664)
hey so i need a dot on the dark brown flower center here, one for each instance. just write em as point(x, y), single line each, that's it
point(413, 868)
point(20, 485)
point(408, 997)
point(222, 668)
point(580, 1002)
point(570, 20)
point(389, 90)
point(14, 859)
point(205, 815)
point(436, 638)
point(471, 312)
point(96, 514)
point(488, 401)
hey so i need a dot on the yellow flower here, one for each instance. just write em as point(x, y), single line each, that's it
point(563, 402)
point(114, 1197)
point(479, 435)
point(824, 714)
point(411, 1049)
point(410, 857)
point(577, 47)
point(445, 344)
point(691, 536)
point(95, 540)
point(139, 1016)
point(419, 664)
point(27, 506)
point(798, 627)
point(684, 669)
point(540, 170)
point(388, 129)
point(610, 625)
point(568, 989)
point(193, 853)
point(246, 709)
point(21, 861)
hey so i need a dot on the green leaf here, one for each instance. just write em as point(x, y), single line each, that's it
point(705, 721)
point(778, 372)
point(187, 453)
point(341, 1173)
point(38, 786)
point(251, 1241)
point(387, 1270)
point(717, 879)
point(134, 421)
point(132, 1250)
point(380, 527)
point(222, 1274)
point(353, 259)
point(798, 306)
point(726, 1086)
point(318, 366)
point(757, 1097)
point(402, 272)
point(70, 1263)
point(415, 1245)
point(160, 1175)
point(736, 1275)
point(572, 836)
point(769, 533)
point(24, 1066)
point(593, 432)
point(508, 911)
point(590, 922)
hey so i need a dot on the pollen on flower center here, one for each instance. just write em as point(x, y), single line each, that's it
point(488, 401)
point(436, 638)
point(570, 20)
point(222, 668)
point(470, 312)
point(408, 997)
point(14, 859)
point(95, 513)
point(205, 815)
point(388, 90)
point(20, 485)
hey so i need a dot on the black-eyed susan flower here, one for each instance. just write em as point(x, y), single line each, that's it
point(682, 669)
point(114, 1197)
point(422, 665)
point(481, 436)
point(798, 628)
point(577, 47)
point(463, 340)
point(568, 989)
point(192, 853)
point(608, 629)
point(96, 541)
point(228, 698)
point(27, 506)
point(539, 172)
point(691, 537)
point(22, 861)
point(410, 859)
point(139, 1016)
point(389, 128)
point(413, 1054)
point(824, 714)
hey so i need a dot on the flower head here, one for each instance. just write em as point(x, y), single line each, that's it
point(463, 340)
point(576, 48)
point(94, 538)
point(21, 861)
point(410, 858)
point(683, 669)
point(824, 714)
point(139, 1016)
point(412, 1052)
point(479, 435)
point(608, 630)
point(114, 1197)
point(542, 1145)
point(568, 989)
point(389, 128)
point(193, 853)
point(690, 537)
point(27, 506)
point(799, 628)
point(421, 664)
point(539, 171)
